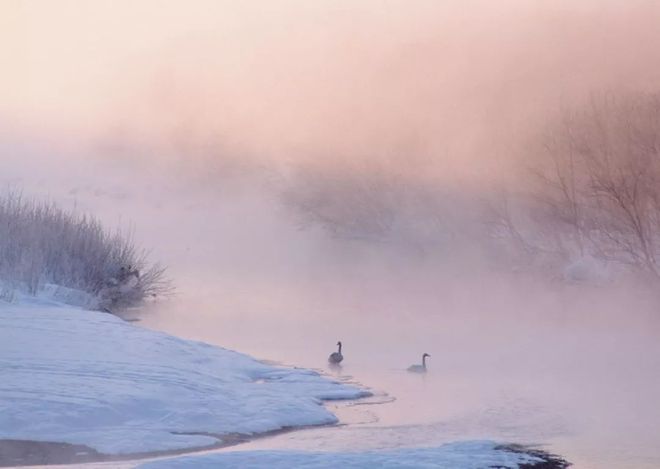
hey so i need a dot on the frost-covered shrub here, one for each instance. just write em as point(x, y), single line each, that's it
point(40, 243)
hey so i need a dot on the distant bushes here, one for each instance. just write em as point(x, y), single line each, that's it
point(596, 191)
point(376, 205)
point(586, 200)
point(41, 243)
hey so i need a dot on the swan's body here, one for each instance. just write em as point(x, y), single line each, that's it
point(419, 368)
point(336, 357)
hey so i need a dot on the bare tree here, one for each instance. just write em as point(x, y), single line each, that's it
point(598, 182)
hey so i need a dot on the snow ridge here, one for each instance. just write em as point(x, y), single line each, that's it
point(89, 378)
point(459, 455)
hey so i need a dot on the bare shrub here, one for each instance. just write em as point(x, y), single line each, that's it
point(597, 185)
point(348, 204)
point(379, 204)
point(593, 193)
point(40, 243)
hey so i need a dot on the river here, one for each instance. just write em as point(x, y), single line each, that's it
point(575, 370)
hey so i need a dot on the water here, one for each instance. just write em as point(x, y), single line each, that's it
point(577, 373)
point(575, 369)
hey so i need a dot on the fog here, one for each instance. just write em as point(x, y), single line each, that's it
point(193, 123)
point(455, 85)
point(188, 122)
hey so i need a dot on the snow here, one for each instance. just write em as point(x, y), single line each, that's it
point(460, 455)
point(69, 296)
point(588, 270)
point(82, 377)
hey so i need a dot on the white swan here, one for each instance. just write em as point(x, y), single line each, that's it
point(336, 357)
point(419, 368)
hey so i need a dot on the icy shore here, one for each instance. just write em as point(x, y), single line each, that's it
point(88, 378)
point(459, 455)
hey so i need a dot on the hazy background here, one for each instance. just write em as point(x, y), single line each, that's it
point(197, 123)
point(201, 125)
point(216, 85)
point(177, 104)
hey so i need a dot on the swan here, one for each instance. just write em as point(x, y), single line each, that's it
point(336, 357)
point(419, 368)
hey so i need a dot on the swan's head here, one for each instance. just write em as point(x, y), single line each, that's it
point(339, 343)
point(426, 355)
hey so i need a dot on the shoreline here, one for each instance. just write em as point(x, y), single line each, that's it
point(30, 453)
point(15, 452)
point(25, 453)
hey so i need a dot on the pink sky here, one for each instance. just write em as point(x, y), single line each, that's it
point(457, 82)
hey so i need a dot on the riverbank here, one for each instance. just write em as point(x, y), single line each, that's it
point(457, 455)
point(87, 387)
point(81, 385)
point(15, 453)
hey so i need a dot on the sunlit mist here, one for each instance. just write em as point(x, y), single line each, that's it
point(383, 172)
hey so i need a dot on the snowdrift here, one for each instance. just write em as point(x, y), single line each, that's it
point(88, 378)
point(461, 455)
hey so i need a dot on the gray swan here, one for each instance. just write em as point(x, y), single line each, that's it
point(419, 368)
point(336, 357)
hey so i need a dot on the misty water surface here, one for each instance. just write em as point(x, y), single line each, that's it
point(573, 368)
point(584, 387)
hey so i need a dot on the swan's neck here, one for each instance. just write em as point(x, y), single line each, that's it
point(423, 361)
point(339, 345)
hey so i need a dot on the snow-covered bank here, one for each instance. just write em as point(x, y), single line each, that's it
point(87, 378)
point(460, 455)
